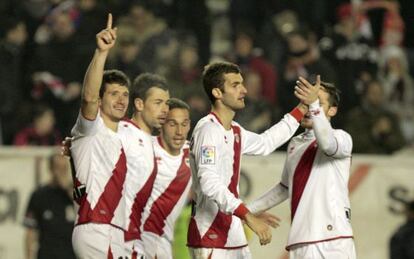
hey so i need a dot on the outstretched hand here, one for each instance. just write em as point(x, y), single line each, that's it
point(106, 38)
point(260, 227)
point(306, 92)
point(270, 219)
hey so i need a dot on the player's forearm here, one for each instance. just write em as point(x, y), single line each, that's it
point(93, 77)
point(277, 135)
point(92, 83)
point(323, 129)
point(281, 132)
point(270, 199)
point(30, 244)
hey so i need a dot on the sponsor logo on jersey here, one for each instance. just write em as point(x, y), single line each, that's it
point(208, 155)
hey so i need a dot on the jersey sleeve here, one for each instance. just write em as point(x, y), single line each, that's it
point(86, 127)
point(30, 219)
point(205, 151)
point(335, 143)
point(268, 141)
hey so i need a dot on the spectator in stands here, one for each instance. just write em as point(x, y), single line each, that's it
point(303, 59)
point(50, 215)
point(125, 54)
point(374, 128)
point(158, 42)
point(13, 35)
point(402, 241)
point(257, 113)
point(57, 69)
point(185, 76)
point(250, 58)
point(42, 131)
point(398, 87)
point(351, 51)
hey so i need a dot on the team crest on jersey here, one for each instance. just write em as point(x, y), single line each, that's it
point(208, 155)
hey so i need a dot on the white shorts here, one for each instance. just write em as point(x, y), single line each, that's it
point(154, 246)
point(219, 253)
point(92, 241)
point(342, 248)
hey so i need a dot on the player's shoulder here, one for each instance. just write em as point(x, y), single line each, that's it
point(127, 126)
point(343, 134)
point(207, 125)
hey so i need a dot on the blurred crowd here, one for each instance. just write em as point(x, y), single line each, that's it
point(365, 48)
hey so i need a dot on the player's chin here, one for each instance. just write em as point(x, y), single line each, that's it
point(239, 106)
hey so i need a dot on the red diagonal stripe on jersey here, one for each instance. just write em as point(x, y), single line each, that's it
point(140, 201)
point(357, 177)
point(165, 203)
point(216, 235)
point(301, 175)
point(236, 161)
point(103, 211)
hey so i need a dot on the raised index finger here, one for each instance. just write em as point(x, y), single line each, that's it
point(109, 22)
point(318, 79)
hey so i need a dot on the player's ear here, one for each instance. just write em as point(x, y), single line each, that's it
point(216, 93)
point(332, 111)
point(139, 104)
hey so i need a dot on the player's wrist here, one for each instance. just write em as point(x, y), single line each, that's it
point(299, 111)
point(241, 211)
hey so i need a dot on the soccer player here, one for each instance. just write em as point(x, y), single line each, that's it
point(315, 179)
point(99, 156)
point(217, 144)
point(149, 94)
point(172, 184)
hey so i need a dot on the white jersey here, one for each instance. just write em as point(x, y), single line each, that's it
point(168, 197)
point(215, 160)
point(140, 177)
point(315, 178)
point(100, 167)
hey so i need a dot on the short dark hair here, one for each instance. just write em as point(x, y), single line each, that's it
point(113, 77)
point(334, 93)
point(175, 103)
point(213, 76)
point(144, 82)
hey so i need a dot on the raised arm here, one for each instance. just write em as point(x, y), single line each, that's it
point(105, 40)
point(332, 143)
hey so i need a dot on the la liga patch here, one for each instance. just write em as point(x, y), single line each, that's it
point(208, 155)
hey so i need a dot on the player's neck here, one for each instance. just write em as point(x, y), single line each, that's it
point(139, 121)
point(109, 123)
point(224, 114)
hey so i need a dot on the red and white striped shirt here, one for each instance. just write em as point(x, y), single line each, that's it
point(168, 197)
point(100, 165)
point(140, 177)
point(315, 178)
point(215, 162)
